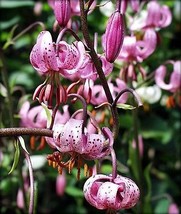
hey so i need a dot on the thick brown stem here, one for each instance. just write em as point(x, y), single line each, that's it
point(13, 132)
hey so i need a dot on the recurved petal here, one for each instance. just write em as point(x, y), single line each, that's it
point(109, 196)
point(91, 187)
point(130, 194)
point(146, 47)
point(71, 137)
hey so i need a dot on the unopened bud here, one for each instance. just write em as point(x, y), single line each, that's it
point(62, 11)
point(114, 36)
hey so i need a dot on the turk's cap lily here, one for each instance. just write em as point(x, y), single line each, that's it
point(34, 117)
point(62, 11)
point(104, 193)
point(175, 77)
point(69, 138)
point(133, 50)
point(43, 55)
point(156, 16)
point(114, 35)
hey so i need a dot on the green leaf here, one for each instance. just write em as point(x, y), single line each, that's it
point(14, 4)
point(125, 106)
point(162, 206)
point(48, 113)
point(3, 90)
point(16, 157)
point(22, 142)
point(74, 191)
point(6, 24)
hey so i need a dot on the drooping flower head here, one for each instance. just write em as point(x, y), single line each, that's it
point(102, 192)
point(155, 16)
point(74, 141)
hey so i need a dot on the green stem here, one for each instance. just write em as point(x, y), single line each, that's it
point(138, 159)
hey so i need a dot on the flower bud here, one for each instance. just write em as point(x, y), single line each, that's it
point(62, 11)
point(114, 36)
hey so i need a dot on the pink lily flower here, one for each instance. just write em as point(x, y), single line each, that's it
point(70, 57)
point(114, 36)
point(98, 95)
point(34, 117)
point(104, 193)
point(62, 11)
point(175, 77)
point(69, 138)
point(156, 16)
point(43, 55)
point(134, 50)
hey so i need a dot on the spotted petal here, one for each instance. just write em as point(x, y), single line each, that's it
point(42, 56)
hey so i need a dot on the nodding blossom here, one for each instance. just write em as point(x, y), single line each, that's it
point(35, 117)
point(174, 83)
point(71, 140)
point(138, 50)
point(155, 16)
point(104, 192)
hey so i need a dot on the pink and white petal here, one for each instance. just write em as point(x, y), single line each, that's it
point(131, 193)
point(37, 60)
point(107, 197)
point(94, 145)
point(146, 47)
point(71, 136)
point(166, 16)
point(160, 74)
point(91, 187)
point(175, 79)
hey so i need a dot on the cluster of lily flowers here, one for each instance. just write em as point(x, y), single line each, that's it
point(78, 138)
